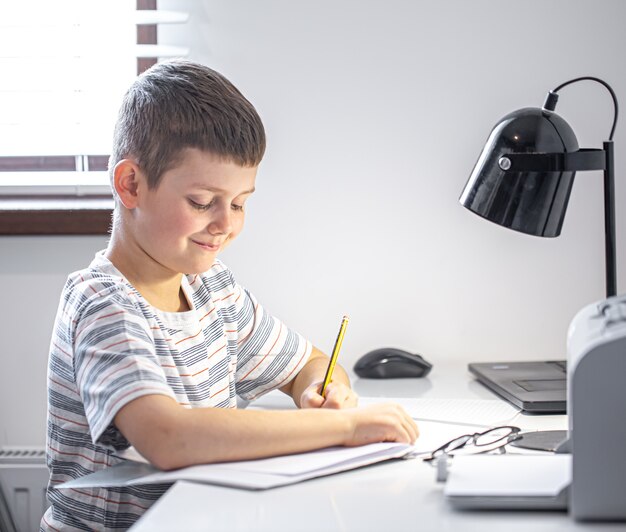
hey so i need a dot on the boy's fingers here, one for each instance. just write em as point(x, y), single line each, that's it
point(340, 396)
point(412, 430)
point(311, 399)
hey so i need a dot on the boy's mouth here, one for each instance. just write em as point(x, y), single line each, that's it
point(207, 245)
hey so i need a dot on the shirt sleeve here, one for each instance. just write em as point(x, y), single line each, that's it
point(114, 362)
point(269, 354)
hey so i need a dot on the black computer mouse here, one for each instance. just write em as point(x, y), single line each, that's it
point(391, 363)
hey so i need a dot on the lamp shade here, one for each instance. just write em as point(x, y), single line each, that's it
point(532, 202)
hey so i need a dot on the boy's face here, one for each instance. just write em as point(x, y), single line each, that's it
point(195, 212)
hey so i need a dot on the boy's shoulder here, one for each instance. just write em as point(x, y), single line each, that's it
point(100, 279)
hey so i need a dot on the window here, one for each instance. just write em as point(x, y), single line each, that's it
point(65, 66)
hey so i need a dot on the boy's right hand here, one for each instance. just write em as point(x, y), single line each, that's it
point(378, 423)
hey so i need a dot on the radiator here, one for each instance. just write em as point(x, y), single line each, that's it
point(23, 481)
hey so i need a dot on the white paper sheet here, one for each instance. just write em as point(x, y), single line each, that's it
point(478, 412)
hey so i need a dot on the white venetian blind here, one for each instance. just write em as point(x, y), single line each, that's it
point(64, 66)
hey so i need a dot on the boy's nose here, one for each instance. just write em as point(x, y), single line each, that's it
point(221, 222)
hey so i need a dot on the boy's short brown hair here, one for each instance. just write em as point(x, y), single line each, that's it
point(181, 104)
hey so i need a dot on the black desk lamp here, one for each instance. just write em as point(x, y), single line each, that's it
point(524, 176)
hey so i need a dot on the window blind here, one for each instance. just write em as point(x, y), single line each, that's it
point(64, 67)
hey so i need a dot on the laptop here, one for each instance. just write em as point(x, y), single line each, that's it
point(535, 387)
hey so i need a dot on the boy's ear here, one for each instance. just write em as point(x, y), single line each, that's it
point(126, 177)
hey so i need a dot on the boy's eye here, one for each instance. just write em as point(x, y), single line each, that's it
point(200, 206)
point(206, 206)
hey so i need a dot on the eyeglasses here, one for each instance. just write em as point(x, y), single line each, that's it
point(480, 442)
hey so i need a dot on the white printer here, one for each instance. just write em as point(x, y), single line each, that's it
point(596, 368)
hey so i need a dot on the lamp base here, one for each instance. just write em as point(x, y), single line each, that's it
point(541, 440)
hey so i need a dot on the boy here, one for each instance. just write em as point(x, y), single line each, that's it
point(155, 339)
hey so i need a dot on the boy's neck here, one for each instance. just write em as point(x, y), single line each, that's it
point(161, 288)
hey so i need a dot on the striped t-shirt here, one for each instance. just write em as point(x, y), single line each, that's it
point(110, 346)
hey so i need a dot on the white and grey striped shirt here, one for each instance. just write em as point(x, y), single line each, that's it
point(110, 346)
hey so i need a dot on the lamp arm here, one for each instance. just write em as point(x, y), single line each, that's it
point(609, 183)
point(609, 221)
point(553, 97)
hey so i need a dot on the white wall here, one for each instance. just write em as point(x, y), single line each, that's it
point(33, 271)
point(376, 112)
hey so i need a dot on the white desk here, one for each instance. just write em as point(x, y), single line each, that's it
point(393, 496)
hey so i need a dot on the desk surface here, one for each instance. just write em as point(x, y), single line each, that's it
point(397, 496)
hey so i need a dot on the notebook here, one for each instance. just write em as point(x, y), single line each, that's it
point(534, 387)
point(248, 474)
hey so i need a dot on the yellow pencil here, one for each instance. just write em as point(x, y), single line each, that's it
point(334, 356)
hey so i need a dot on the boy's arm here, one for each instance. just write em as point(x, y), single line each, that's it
point(171, 436)
point(304, 388)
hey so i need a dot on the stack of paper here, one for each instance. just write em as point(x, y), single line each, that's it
point(509, 481)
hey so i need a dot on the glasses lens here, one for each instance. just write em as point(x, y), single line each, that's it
point(495, 435)
point(455, 444)
point(449, 447)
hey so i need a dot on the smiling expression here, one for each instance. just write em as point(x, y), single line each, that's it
point(196, 210)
